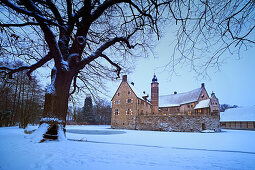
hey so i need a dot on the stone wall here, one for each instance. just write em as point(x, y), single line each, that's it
point(177, 123)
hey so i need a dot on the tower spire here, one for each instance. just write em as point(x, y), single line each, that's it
point(154, 79)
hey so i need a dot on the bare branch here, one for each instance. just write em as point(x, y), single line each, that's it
point(20, 25)
point(118, 68)
point(101, 49)
point(10, 71)
point(29, 13)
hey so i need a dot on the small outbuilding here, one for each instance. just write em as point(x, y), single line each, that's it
point(238, 118)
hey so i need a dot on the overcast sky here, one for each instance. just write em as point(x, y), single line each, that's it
point(233, 84)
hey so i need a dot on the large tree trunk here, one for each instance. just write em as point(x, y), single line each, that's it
point(52, 125)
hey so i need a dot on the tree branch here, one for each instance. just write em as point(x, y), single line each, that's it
point(118, 68)
point(29, 13)
point(49, 36)
point(101, 49)
point(10, 71)
point(20, 25)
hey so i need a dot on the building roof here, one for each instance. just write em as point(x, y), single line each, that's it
point(180, 98)
point(137, 92)
point(203, 104)
point(238, 114)
point(140, 94)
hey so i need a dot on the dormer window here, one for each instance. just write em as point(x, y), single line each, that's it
point(202, 95)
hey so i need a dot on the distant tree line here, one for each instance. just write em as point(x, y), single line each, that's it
point(21, 99)
point(99, 113)
point(224, 107)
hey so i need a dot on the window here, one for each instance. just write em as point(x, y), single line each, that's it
point(129, 112)
point(117, 102)
point(129, 92)
point(129, 100)
point(118, 94)
point(192, 105)
point(199, 111)
point(116, 112)
point(189, 112)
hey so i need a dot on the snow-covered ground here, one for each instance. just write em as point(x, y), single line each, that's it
point(104, 148)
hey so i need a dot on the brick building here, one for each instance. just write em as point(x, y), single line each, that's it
point(190, 111)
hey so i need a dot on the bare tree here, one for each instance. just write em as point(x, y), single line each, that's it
point(21, 100)
point(208, 29)
point(90, 39)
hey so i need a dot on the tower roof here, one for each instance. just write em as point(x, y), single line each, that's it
point(154, 79)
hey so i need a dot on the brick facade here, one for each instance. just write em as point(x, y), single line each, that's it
point(132, 110)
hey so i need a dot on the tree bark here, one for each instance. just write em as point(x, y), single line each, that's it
point(55, 107)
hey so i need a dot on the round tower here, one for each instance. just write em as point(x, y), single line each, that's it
point(154, 94)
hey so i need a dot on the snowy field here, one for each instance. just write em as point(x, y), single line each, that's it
point(99, 147)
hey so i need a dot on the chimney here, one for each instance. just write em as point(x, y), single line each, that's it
point(202, 85)
point(213, 94)
point(175, 92)
point(124, 78)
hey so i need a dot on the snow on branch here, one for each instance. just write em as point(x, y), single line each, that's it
point(10, 71)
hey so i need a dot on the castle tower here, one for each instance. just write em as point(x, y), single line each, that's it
point(154, 94)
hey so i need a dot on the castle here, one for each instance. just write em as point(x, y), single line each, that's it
point(192, 111)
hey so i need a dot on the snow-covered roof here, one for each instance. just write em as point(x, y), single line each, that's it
point(203, 104)
point(238, 114)
point(180, 98)
point(140, 94)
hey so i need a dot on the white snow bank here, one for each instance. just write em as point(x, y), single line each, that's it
point(207, 131)
point(48, 119)
point(37, 136)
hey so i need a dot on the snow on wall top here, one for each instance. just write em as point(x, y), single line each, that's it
point(238, 114)
point(203, 104)
point(180, 98)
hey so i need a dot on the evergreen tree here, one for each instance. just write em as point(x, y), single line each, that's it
point(88, 115)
